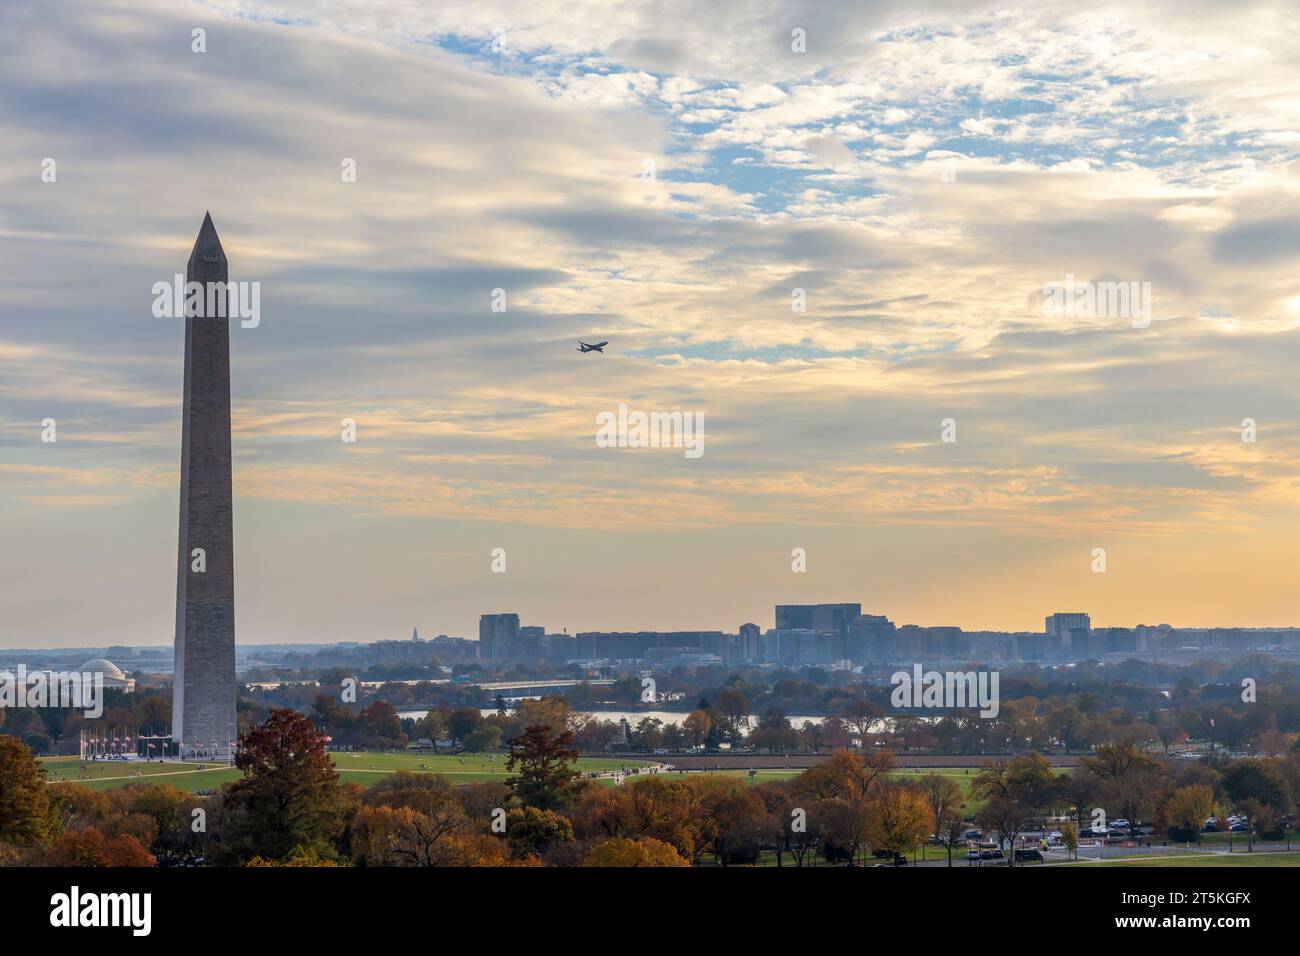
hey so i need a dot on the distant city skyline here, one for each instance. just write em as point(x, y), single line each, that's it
point(523, 623)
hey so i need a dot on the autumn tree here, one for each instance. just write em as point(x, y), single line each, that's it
point(645, 851)
point(1067, 722)
point(542, 762)
point(433, 725)
point(840, 791)
point(737, 827)
point(554, 713)
point(289, 795)
point(1187, 810)
point(1130, 780)
point(172, 813)
point(1070, 838)
point(299, 858)
point(24, 802)
point(648, 734)
point(901, 821)
point(696, 726)
point(1013, 793)
point(943, 796)
point(483, 738)
point(426, 792)
point(1079, 791)
point(383, 728)
point(841, 827)
point(481, 798)
point(89, 847)
point(462, 722)
point(951, 828)
point(845, 775)
point(419, 840)
point(733, 704)
point(402, 836)
point(533, 832)
point(667, 809)
point(860, 715)
point(789, 827)
point(1259, 779)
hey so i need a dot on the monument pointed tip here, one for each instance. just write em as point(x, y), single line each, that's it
point(208, 244)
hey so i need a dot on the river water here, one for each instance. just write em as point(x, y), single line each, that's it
point(632, 716)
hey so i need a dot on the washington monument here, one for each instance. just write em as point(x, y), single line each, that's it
point(203, 691)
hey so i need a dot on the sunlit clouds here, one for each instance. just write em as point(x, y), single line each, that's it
point(664, 176)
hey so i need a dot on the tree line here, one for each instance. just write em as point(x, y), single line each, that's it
point(290, 808)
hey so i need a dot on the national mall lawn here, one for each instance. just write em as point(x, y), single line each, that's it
point(365, 768)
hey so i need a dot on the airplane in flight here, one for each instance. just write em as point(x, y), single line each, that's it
point(598, 347)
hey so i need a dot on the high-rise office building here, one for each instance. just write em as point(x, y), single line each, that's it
point(1061, 623)
point(871, 638)
point(497, 634)
point(793, 646)
point(825, 618)
point(632, 646)
point(1056, 635)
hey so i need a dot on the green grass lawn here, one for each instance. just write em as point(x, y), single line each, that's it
point(1214, 859)
point(107, 775)
point(369, 767)
point(365, 768)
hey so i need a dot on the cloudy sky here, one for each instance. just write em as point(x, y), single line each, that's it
point(663, 175)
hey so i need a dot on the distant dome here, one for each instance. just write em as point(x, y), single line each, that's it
point(110, 670)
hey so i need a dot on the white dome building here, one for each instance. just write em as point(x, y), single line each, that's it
point(113, 676)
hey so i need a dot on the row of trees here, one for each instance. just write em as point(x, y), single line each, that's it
point(289, 808)
point(1076, 723)
point(1021, 725)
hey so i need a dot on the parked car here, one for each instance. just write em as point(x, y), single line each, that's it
point(1239, 828)
point(1029, 856)
point(972, 854)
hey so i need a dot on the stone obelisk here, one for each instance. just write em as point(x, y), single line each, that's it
point(203, 690)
